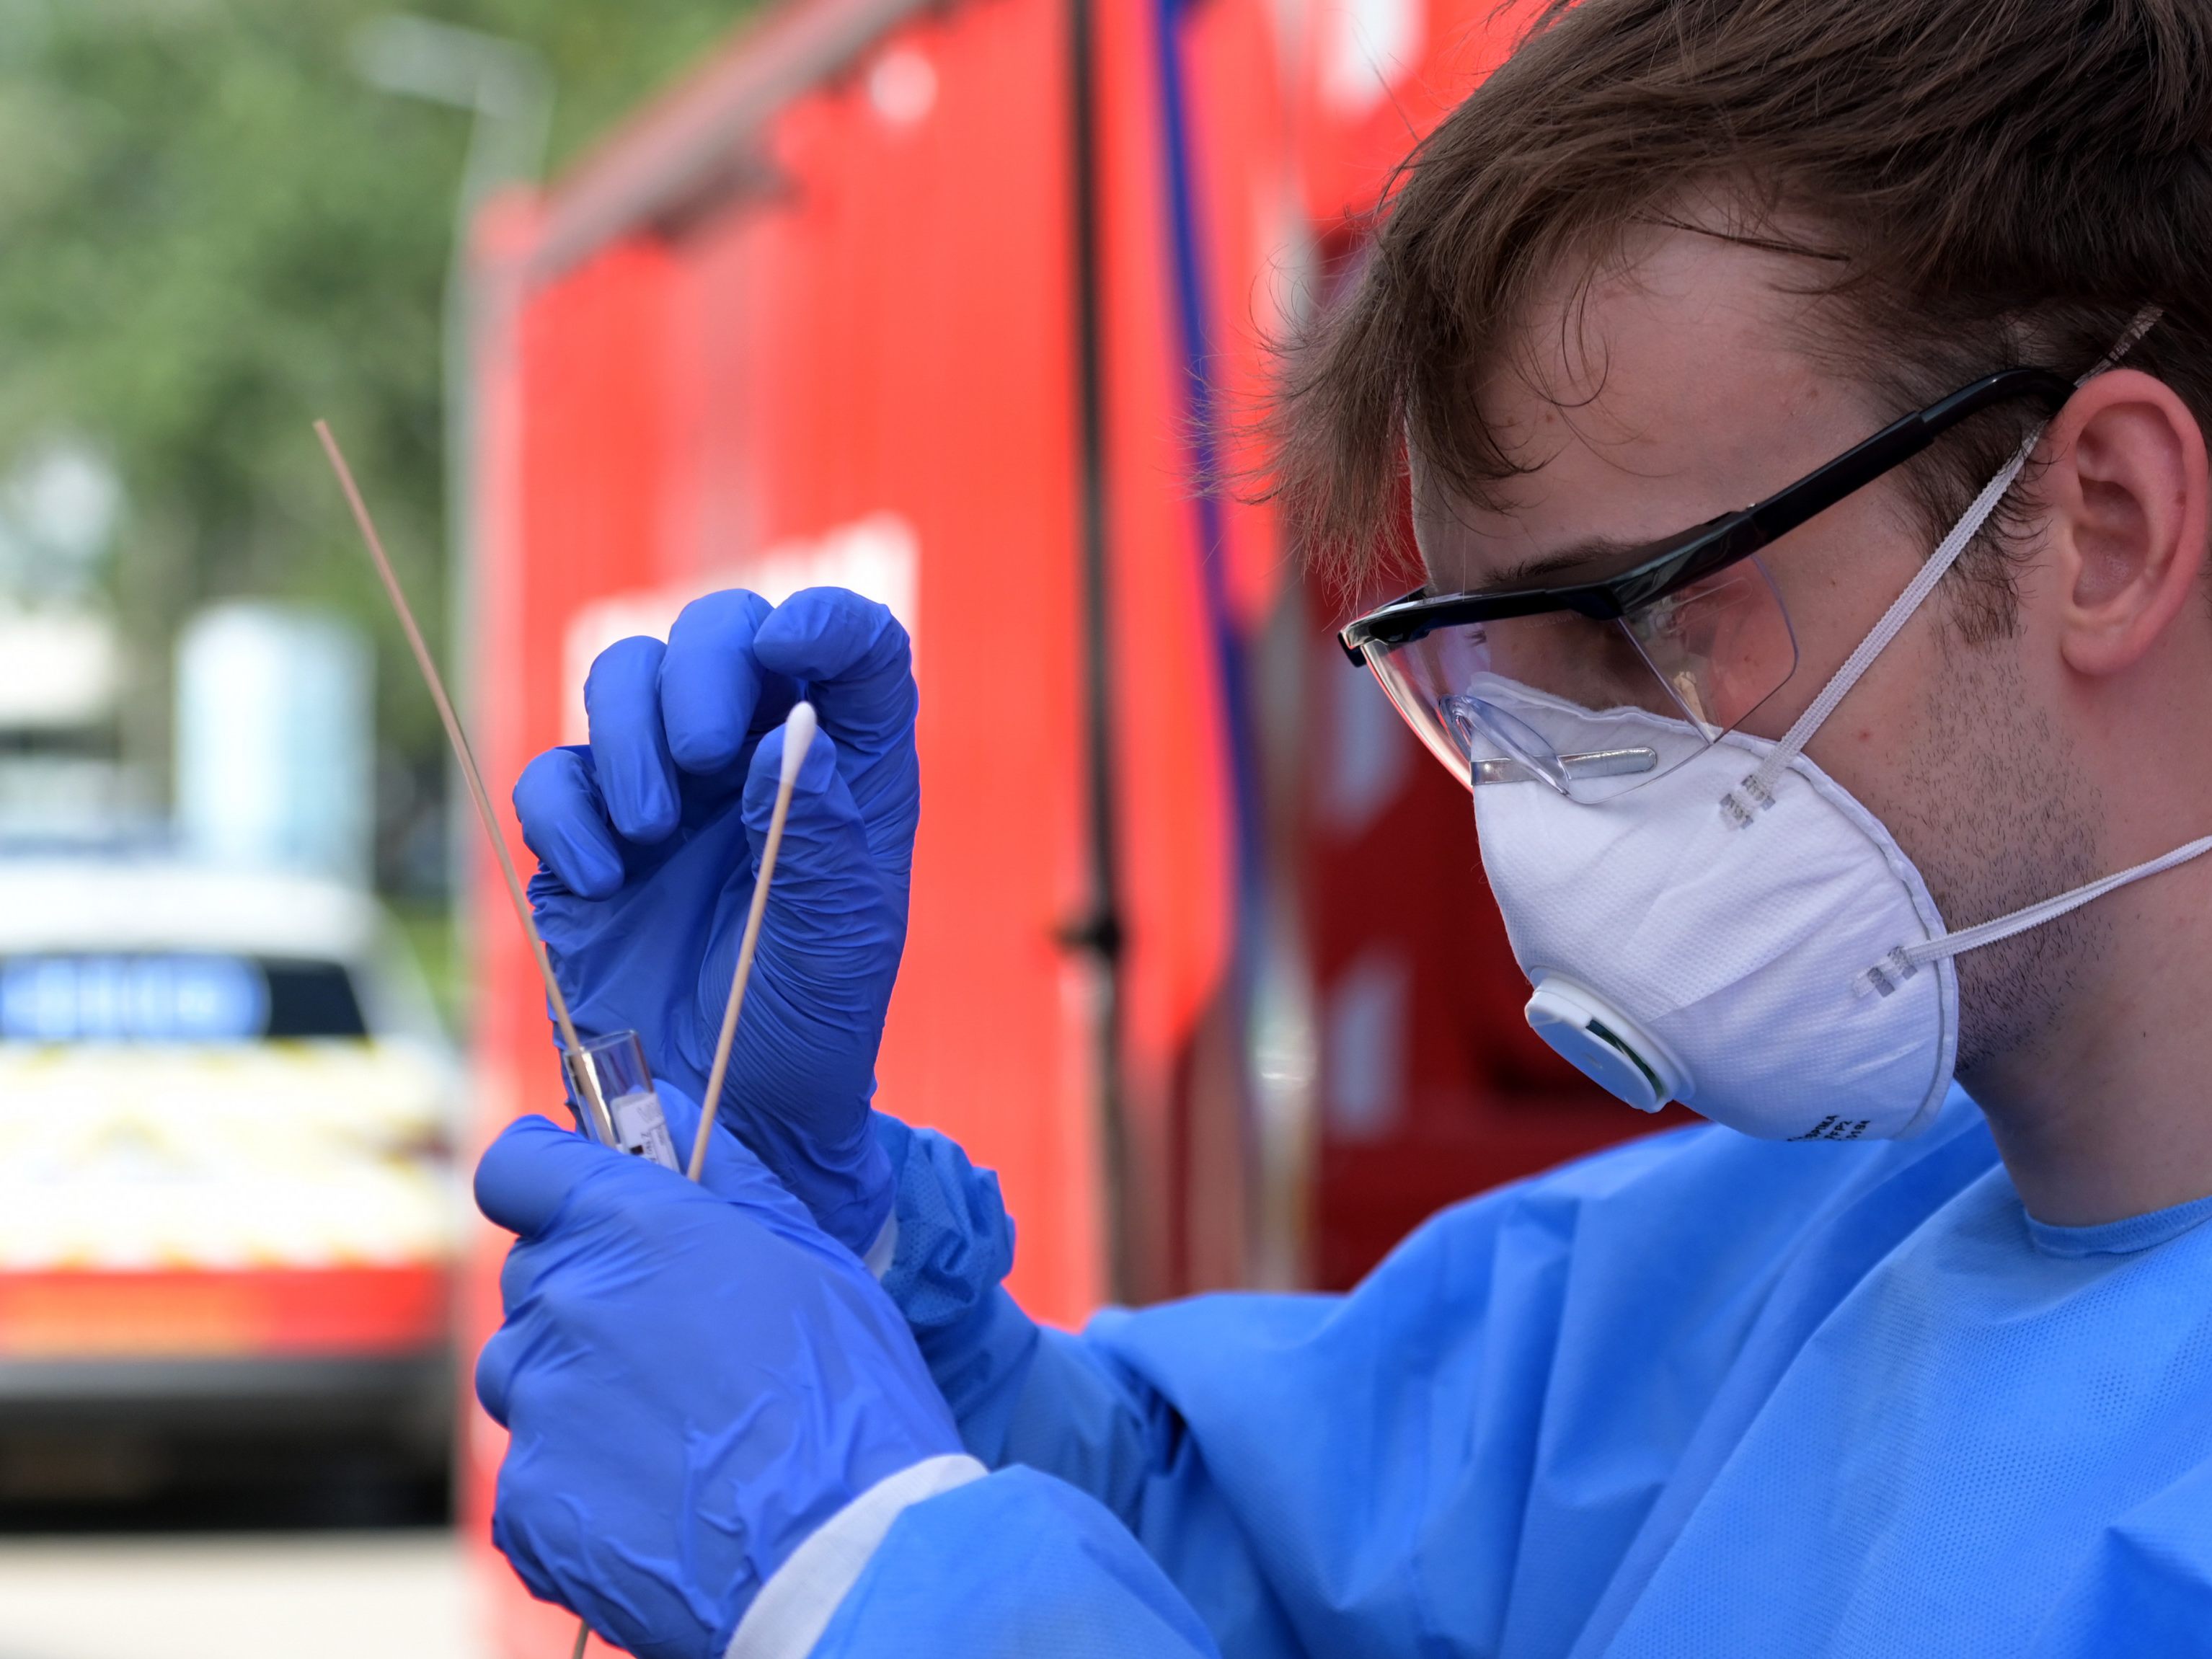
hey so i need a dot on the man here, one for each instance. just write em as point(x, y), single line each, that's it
point(1792, 814)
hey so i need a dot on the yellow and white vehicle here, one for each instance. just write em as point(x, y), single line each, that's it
point(228, 1202)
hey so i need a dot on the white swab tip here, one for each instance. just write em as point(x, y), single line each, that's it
point(798, 737)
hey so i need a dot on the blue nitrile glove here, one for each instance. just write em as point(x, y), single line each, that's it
point(692, 1382)
point(649, 838)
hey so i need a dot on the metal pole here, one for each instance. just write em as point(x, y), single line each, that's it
point(1099, 932)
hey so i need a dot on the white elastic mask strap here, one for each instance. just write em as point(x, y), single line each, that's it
point(1909, 959)
point(1759, 785)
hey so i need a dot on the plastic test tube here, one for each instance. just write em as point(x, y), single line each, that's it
point(617, 1063)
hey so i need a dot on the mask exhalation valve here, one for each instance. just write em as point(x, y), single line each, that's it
point(1602, 1043)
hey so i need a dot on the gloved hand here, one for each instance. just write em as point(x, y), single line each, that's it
point(692, 1382)
point(649, 839)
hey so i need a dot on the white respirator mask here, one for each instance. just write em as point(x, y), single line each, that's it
point(1679, 953)
point(1737, 933)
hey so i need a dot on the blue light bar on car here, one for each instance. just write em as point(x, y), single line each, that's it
point(165, 997)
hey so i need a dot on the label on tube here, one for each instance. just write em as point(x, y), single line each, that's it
point(641, 1128)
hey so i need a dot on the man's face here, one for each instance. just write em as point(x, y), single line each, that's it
point(1679, 388)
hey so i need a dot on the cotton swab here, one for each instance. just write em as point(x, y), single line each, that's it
point(797, 737)
point(602, 1125)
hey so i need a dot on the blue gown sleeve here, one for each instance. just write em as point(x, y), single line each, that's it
point(1455, 1456)
point(1011, 1567)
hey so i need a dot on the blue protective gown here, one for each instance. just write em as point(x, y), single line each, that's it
point(1699, 1394)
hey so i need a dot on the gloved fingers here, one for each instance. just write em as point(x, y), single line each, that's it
point(734, 1171)
point(629, 749)
point(831, 937)
point(715, 695)
point(531, 1169)
point(496, 1372)
point(557, 801)
point(854, 657)
point(828, 892)
point(731, 1168)
point(517, 1276)
point(514, 1543)
point(858, 667)
point(535, 1176)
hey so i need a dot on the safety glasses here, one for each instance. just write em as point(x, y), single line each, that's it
point(1598, 687)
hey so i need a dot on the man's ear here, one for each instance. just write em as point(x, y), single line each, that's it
point(2127, 491)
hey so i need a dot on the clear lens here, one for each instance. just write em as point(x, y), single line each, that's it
point(1721, 646)
point(1593, 708)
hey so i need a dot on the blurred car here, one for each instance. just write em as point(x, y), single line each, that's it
point(227, 1205)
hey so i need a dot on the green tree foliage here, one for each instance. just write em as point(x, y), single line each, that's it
point(212, 231)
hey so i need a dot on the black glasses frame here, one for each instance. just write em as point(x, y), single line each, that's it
point(1663, 567)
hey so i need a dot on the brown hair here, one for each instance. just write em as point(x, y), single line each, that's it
point(1989, 181)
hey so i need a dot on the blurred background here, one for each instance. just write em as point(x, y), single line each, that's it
point(614, 303)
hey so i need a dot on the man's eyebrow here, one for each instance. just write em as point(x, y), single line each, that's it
point(1592, 559)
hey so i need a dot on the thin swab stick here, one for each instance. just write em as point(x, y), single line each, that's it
point(797, 737)
point(601, 1124)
